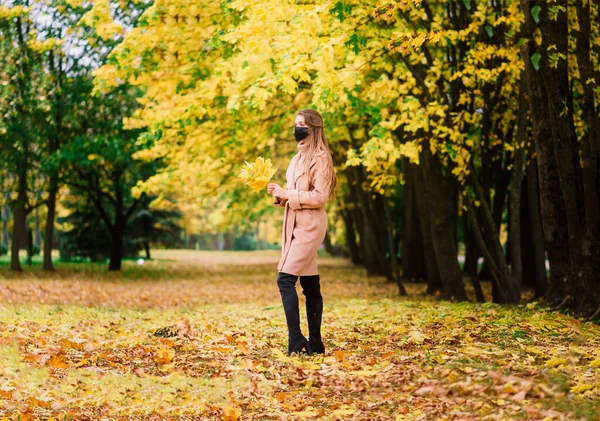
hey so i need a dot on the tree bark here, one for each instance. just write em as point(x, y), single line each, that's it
point(50, 217)
point(591, 139)
point(569, 229)
point(147, 249)
point(537, 231)
point(351, 236)
point(472, 254)
point(515, 189)
point(5, 216)
point(471, 258)
point(432, 273)
point(441, 191)
point(372, 238)
point(551, 205)
point(19, 215)
point(393, 259)
point(486, 232)
point(117, 232)
point(413, 256)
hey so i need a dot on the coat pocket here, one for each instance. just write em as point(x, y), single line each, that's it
point(305, 219)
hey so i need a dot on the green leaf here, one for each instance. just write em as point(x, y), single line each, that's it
point(355, 42)
point(467, 4)
point(489, 31)
point(535, 13)
point(340, 10)
point(535, 61)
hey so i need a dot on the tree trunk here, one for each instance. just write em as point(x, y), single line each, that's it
point(393, 259)
point(117, 232)
point(371, 243)
point(441, 191)
point(351, 237)
point(50, 217)
point(591, 140)
point(413, 255)
point(5, 216)
point(432, 273)
point(471, 259)
point(37, 241)
point(537, 232)
point(472, 254)
point(527, 251)
point(515, 189)
point(551, 205)
point(569, 229)
point(19, 215)
point(508, 290)
point(257, 234)
point(147, 249)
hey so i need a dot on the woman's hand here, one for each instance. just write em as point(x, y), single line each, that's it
point(277, 191)
point(271, 187)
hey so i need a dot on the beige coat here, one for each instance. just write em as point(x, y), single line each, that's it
point(304, 220)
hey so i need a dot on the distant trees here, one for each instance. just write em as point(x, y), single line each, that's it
point(55, 132)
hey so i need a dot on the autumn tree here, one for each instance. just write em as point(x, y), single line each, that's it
point(23, 104)
point(561, 66)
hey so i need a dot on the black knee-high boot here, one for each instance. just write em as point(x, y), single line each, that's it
point(311, 288)
point(287, 288)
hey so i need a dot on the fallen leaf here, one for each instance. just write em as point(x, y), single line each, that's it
point(164, 355)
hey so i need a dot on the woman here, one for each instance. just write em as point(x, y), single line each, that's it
point(311, 181)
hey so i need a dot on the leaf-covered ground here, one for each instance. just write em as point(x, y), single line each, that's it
point(80, 344)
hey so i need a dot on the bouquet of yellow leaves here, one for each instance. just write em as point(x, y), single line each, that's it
point(257, 174)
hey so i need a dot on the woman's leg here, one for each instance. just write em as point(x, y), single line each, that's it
point(289, 297)
point(311, 288)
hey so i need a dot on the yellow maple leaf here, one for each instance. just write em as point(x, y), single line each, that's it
point(257, 174)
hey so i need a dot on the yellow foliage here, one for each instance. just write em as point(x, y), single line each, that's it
point(257, 174)
point(555, 362)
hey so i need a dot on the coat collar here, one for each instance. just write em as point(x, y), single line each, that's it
point(299, 171)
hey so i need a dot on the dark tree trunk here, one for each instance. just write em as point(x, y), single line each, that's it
point(372, 235)
point(591, 139)
point(5, 216)
point(413, 255)
point(500, 187)
point(527, 253)
point(50, 217)
point(432, 273)
point(19, 216)
point(117, 232)
point(537, 232)
point(471, 259)
point(515, 189)
point(551, 206)
point(569, 229)
point(37, 241)
point(472, 253)
point(351, 237)
point(147, 248)
point(393, 258)
point(508, 290)
point(442, 194)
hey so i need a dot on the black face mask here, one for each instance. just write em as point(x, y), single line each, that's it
point(300, 133)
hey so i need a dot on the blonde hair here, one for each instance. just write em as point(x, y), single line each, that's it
point(316, 142)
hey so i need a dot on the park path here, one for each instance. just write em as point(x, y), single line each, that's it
point(81, 343)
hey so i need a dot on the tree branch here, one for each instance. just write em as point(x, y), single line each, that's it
point(133, 206)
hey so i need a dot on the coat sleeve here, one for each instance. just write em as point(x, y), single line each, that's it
point(318, 196)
